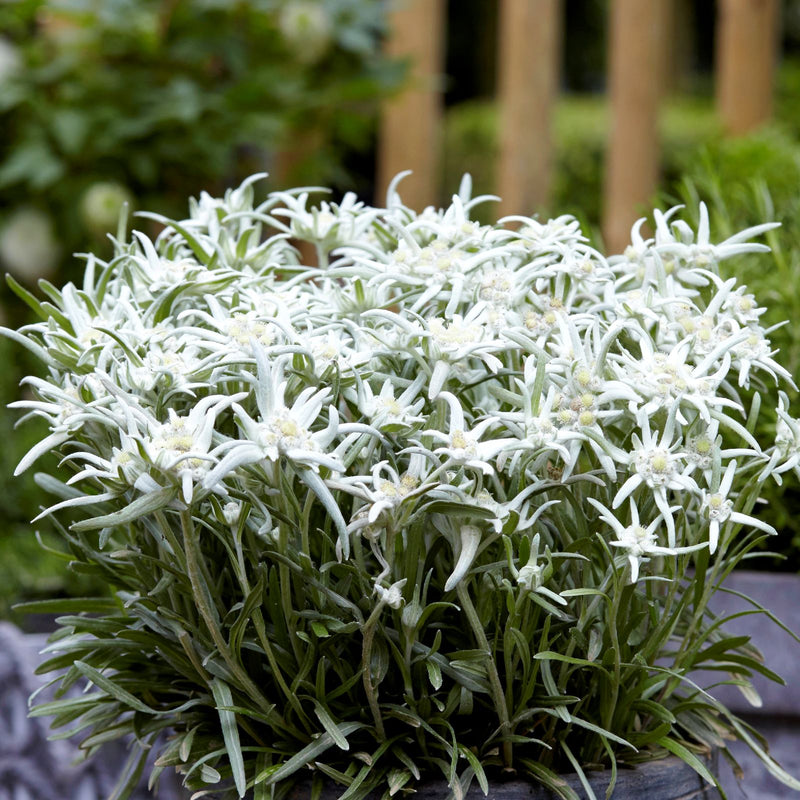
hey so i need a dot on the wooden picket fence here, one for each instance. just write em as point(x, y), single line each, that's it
point(528, 76)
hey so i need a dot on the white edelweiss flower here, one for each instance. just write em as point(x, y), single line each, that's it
point(439, 271)
point(743, 306)
point(563, 230)
point(181, 444)
point(670, 381)
point(178, 448)
point(453, 341)
point(701, 253)
point(174, 365)
point(386, 412)
point(534, 425)
point(462, 446)
point(786, 454)
point(718, 508)
point(206, 213)
point(157, 273)
point(334, 348)
point(65, 409)
point(657, 466)
point(231, 511)
point(385, 491)
point(497, 287)
point(280, 431)
point(701, 447)
point(753, 352)
point(284, 431)
point(639, 542)
point(329, 225)
point(234, 331)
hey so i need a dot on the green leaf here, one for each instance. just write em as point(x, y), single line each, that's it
point(549, 655)
point(107, 685)
point(590, 726)
point(654, 710)
point(69, 605)
point(434, 674)
point(307, 755)
point(209, 775)
point(131, 773)
point(146, 504)
point(551, 780)
point(26, 297)
point(331, 727)
point(79, 704)
point(323, 493)
point(688, 757)
point(452, 509)
point(578, 771)
point(230, 732)
point(477, 767)
point(203, 257)
point(772, 766)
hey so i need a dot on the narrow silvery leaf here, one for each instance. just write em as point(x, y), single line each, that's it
point(230, 732)
point(133, 511)
point(323, 493)
point(470, 539)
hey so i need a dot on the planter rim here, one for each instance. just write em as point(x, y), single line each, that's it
point(667, 778)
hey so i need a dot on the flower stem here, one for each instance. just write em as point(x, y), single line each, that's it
point(495, 687)
point(614, 635)
point(209, 613)
point(371, 690)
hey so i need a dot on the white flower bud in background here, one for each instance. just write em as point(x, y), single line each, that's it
point(10, 61)
point(101, 206)
point(393, 596)
point(28, 247)
point(307, 27)
point(231, 511)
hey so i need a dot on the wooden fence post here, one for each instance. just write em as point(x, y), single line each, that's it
point(411, 122)
point(529, 54)
point(635, 85)
point(746, 52)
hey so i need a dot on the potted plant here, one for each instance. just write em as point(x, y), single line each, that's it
point(448, 504)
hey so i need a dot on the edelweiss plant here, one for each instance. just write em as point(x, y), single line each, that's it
point(452, 500)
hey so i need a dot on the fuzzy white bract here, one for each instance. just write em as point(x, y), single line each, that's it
point(422, 361)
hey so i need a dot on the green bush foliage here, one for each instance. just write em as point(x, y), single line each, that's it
point(153, 101)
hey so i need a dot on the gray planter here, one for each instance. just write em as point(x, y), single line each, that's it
point(667, 779)
point(778, 718)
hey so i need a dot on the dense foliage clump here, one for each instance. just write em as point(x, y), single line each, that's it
point(442, 499)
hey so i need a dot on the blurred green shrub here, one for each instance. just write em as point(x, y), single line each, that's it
point(580, 133)
point(154, 100)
